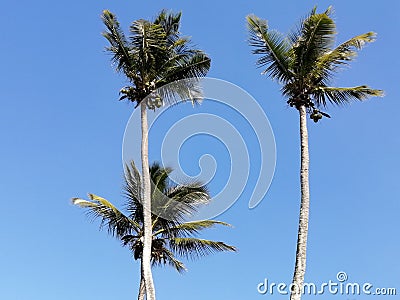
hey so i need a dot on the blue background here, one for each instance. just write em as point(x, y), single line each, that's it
point(61, 130)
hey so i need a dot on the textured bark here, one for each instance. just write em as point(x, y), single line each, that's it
point(147, 223)
point(142, 287)
point(300, 267)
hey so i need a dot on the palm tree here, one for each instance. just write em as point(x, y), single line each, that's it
point(171, 237)
point(153, 55)
point(304, 62)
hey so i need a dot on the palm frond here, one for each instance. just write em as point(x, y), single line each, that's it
point(169, 258)
point(130, 239)
point(295, 33)
point(273, 47)
point(195, 248)
point(190, 228)
point(329, 62)
point(132, 191)
point(317, 35)
point(177, 204)
point(148, 41)
point(184, 71)
point(340, 95)
point(159, 176)
point(192, 64)
point(179, 91)
point(119, 46)
point(184, 200)
point(114, 220)
point(170, 22)
point(159, 183)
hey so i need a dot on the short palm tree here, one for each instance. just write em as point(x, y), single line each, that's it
point(304, 62)
point(154, 55)
point(172, 237)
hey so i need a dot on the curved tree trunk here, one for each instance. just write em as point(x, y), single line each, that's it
point(147, 222)
point(300, 267)
point(142, 287)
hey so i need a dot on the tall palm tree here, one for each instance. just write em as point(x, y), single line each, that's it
point(171, 237)
point(304, 62)
point(153, 55)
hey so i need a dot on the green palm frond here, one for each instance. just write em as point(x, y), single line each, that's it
point(273, 47)
point(195, 193)
point(340, 95)
point(195, 248)
point(148, 42)
point(295, 33)
point(190, 228)
point(169, 258)
point(193, 64)
point(119, 46)
point(188, 89)
point(132, 191)
point(170, 22)
point(317, 36)
point(159, 183)
point(328, 63)
point(185, 200)
point(177, 203)
point(159, 176)
point(115, 221)
point(184, 71)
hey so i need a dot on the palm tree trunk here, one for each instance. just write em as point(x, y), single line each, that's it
point(142, 287)
point(147, 223)
point(300, 267)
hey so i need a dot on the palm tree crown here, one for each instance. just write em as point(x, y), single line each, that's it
point(154, 55)
point(172, 237)
point(305, 61)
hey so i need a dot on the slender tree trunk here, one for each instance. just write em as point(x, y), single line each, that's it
point(142, 287)
point(147, 222)
point(300, 267)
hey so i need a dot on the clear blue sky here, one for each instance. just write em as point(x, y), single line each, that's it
point(61, 130)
